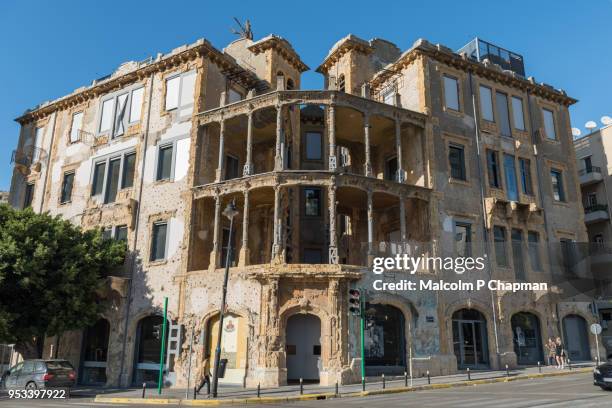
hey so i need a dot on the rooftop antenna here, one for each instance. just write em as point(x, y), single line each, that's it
point(244, 31)
point(606, 120)
point(590, 125)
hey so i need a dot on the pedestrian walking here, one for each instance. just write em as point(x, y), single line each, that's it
point(203, 374)
point(560, 353)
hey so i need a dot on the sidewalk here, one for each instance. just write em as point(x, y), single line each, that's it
point(374, 385)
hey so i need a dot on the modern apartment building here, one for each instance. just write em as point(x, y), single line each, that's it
point(426, 152)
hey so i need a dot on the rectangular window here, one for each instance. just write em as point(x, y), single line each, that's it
point(312, 202)
point(120, 115)
point(164, 162)
point(121, 232)
point(180, 90)
point(549, 124)
point(503, 114)
point(106, 118)
point(107, 232)
point(568, 254)
point(136, 105)
point(112, 180)
point(158, 241)
point(389, 96)
point(557, 185)
point(172, 92)
point(534, 250)
point(493, 168)
point(38, 137)
point(525, 165)
point(588, 165)
point(313, 146)
point(463, 239)
point(312, 256)
point(75, 128)
point(67, 184)
point(499, 237)
point(456, 160)
point(98, 179)
point(517, 254)
point(234, 96)
point(511, 185)
point(517, 113)
point(486, 103)
point(232, 168)
point(29, 195)
point(451, 93)
point(129, 166)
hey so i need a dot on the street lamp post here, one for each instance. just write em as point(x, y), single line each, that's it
point(230, 212)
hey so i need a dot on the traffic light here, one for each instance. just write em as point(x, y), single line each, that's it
point(355, 302)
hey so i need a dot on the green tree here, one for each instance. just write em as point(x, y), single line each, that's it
point(50, 274)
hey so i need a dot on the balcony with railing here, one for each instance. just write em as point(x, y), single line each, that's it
point(596, 213)
point(590, 175)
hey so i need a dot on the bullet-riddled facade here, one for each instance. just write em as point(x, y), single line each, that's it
point(425, 152)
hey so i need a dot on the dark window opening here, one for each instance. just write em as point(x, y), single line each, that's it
point(232, 169)
point(456, 158)
point(164, 162)
point(158, 242)
point(312, 202)
point(67, 184)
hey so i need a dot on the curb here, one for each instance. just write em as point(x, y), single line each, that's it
point(329, 395)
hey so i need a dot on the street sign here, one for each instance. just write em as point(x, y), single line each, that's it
point(596, 328)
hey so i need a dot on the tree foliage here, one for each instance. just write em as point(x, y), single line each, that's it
point(50, 273)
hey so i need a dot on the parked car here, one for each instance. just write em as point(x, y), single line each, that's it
point(602, 376)
point(35, 374)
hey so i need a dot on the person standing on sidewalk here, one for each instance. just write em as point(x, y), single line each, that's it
point(551, 346)
point(560, 354)
point(203, 374)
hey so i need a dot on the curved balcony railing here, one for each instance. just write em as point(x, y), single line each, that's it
point(589, 170)
point(28, 156)
point(595, 207)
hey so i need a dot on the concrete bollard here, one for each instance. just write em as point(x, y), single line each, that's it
point(428, 377)
point(468, 373)
point(144, 389)
point(383, 381)
point(195, 392)
point(258, 390)
point(405, 378)
point(301, 386)
point(539, 367)
point(362, 383)
point(569, 364)
point(507, 371)
point(336, 390)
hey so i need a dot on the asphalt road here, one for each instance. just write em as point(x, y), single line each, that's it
point(566, 391)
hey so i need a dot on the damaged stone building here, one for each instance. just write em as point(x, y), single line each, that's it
point(427, 152)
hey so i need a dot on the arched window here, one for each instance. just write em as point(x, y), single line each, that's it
point(341, 83)
point(470, 341)
point(385, 342)
point(95, 351)
point(526, 338)
point(148, 349)
point(290, 84)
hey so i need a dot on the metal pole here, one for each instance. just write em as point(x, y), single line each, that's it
point(222, 310)
point(162, 354)
point(362, 332)
point(189, 365)
point(597, 345)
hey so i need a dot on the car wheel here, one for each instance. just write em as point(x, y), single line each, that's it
point(31, 386)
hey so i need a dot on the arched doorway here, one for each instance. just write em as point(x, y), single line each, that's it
point(95, 353)
point(576, 338)
point(527, 338)
point(233, 346)
point(384, 340)
point(470, 339)
point(148, 349)
point(303, 347)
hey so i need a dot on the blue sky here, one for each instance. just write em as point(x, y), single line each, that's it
point(49, 48)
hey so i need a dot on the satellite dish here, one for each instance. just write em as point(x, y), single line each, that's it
point(590, 125)
point(606, 120)
point(576, 132)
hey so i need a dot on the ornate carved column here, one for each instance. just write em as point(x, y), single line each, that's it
point(366, 142)
point(248, 165)
point(331, 129)
point(280, 143)
point(333, 241)
point(244, 250)
point(276, 246)
point(214, 255)
point(221, 161)
point(398, 147)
